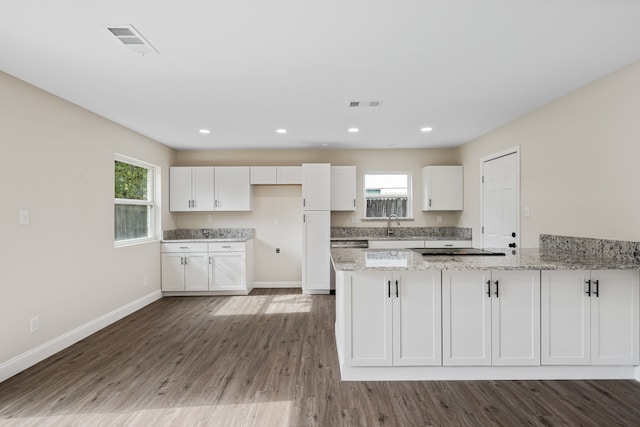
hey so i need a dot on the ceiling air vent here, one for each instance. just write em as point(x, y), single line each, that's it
point(132, 39)
point(365, 104)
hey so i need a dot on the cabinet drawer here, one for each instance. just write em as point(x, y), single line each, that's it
point(227, 247)
point(184, 247)
point(396, 244)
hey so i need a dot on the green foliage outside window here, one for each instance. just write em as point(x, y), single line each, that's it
point(130, 182)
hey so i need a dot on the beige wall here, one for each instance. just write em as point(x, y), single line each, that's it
point(63, 267)
point(284, 202)
point(579, 163)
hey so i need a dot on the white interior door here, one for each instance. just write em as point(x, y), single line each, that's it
point(500, 198)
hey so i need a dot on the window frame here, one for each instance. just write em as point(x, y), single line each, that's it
point(153, 196)
point(409, 175)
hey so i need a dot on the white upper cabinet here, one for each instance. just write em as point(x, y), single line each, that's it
point(209, 189)
point(276, 175)
point(290, 175)
point(232, 188)
point(264, 175)
point(191, 189)
point(442, 188)
point(343, 188)
point(316, 186)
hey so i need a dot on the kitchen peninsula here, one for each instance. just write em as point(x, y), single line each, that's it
point(531, 314)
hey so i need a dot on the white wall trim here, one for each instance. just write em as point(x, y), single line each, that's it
point(277, 285)
point(41, 352)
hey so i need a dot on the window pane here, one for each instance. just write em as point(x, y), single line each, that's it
point(132, 221)
point(386, 194)
point(383, 207)
point(131, 182)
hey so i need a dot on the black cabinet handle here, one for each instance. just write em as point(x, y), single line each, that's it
point(397, 291)
point(588, 282)
point(497, 289)
point(489, 288)
point(389, 288)
point(597, 291)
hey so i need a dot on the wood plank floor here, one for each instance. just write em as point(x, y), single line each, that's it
point(270, 360)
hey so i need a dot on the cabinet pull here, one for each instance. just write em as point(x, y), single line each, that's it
point(186, 260)
point(210, 260)
point(354, 203)
point(216, 204)
point(489, 288)
point(588, 282)
point(497, 289)
point(397, 291)
point(226, 247)
point(304, 202)
point(388, 288)
point(597, 291)
point(429, 202)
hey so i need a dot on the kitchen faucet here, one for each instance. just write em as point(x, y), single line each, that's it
point(389, 229)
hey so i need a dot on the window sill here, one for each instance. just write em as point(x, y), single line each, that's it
point(133, 242)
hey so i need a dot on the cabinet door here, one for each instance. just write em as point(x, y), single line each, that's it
point(316, 232)
point(264, 175)
point(228, 271)
point(466, 318)
point(442, 188)
point(316, 186)
point(566, 311)
point(173, 271)
point(196, 272)
point(515, 323)
point(368, 329)
point(614, 318)
point(180, 196)
point(233, 188)
point(343, 188)
point(289, 175)
point(203, 188)
point(417, 318)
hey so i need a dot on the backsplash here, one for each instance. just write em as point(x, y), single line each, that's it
point(208, 233)
point(453, 233)
point(618, 249)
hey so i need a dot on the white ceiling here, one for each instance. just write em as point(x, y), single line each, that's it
point(244, 68)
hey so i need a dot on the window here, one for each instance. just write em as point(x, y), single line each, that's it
point(134, 201)
point(387, 193)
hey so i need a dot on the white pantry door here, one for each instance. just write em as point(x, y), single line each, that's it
point(500, 202)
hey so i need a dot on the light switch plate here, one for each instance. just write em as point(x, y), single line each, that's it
point(24, 216)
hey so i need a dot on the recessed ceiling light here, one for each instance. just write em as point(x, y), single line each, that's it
point(426, 129)
point(204, 131)
point(354, 130)
point(281, 130)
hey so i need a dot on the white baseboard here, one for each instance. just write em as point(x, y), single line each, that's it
point(38, 354)
point(277, 284)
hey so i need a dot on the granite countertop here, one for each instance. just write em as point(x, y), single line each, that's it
point(394, 237)
point(522, 259)
point(207, 235)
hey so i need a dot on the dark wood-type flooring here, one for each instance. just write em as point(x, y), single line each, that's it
point(270, 360)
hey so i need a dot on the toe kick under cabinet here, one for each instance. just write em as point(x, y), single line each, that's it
point(223, 268)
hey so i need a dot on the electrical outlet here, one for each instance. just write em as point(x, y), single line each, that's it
point(209, 218)
point(276, 220)
point(439, 219)
point(277, 250)
point(145, 281)
point(355, 220)
point(35, 324)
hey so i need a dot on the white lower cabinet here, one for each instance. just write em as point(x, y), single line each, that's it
point(491, 318)
point(590, 317)
point(227, 267)
point(188, 267)
point(184, 267)
point(392, 318)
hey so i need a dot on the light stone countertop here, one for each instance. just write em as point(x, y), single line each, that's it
point(417, 238)
point(347, 259)
point(209, 240)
